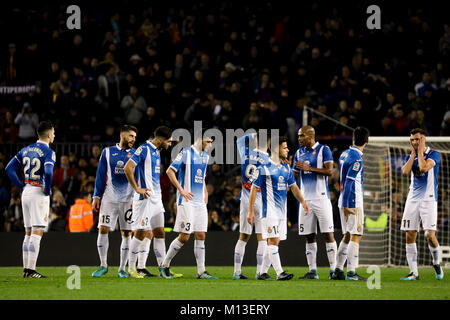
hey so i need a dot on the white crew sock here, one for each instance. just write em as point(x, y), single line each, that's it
point(124, 252)
point(436, 254)
point(239, 251)
point(275, 258)
point(353, 256)
point(33, 250)
point(341, 255)
point(135, 246)
point(311, 255)
point(159, 247)
point(26, 243)
point(331, 253)
point(143, 253)
point(199, 252)
point(411, 257)
point(260, 251)
point(102, 247)
point(174, 247)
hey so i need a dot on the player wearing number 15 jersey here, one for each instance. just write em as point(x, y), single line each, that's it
point(251, 160)
point(112, 199)
point(37, 161)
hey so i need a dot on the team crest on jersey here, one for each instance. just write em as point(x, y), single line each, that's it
point(129, 155)
point(138, 151)
point(356, 166)
point(269, 230)
point(182, 225)
point(314, 152)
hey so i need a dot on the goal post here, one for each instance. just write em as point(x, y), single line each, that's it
point(385, 192)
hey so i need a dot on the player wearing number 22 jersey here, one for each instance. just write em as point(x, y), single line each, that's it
point(251, 160)
point(37, 161)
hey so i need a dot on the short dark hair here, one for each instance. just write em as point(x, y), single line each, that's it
point(43, 128)
point(127, 127)
point(163, 132)
point(418, 130)
point(360, 136)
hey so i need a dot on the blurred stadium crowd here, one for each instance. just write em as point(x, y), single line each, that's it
point(230, 65)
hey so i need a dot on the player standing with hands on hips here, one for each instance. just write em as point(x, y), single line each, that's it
point(351, 171)
point(37, 161)
point(274, 180)
point(423, 166)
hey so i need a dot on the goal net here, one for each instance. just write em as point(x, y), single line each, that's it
point(385, 192)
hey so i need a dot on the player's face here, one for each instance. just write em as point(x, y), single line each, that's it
point(284, 150)
point(129, 138)
point(206, 144)
point(167, 143)
point(415, 140)
point(51, 135)
point(301, 137)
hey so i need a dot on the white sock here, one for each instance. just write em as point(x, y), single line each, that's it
point(266, 261)
point(159, 247)
point(260, 251)
point(436, 254)
point(411, 257)
point(143, 253)
point(331, 253)
point(26, 243)
point(124, 252)
point(135, 247)
point(174, 247)
point(102, 247)
point(33, 250)
point(199, 252)
point(353, 256)
point(311, 255)
point(239, 251)
point(341, 255)
point(275, 259)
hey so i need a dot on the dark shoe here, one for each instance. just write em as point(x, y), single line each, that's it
point(264, 276)
point(25, 272)
point(34, 274)
point(354, 276)
point(338, 275)
point(439, 272)
point(285, 276)
point(145, 273)
point(311, 274)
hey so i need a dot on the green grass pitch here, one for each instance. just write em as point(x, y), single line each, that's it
point(110, 287)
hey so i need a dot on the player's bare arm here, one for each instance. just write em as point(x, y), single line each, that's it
point(173, 178)
point(327, 171)
point(96, 204)
point(206, 194)
point(298, 195)
point(407, 167)
point(129, 169)
point(252, 200)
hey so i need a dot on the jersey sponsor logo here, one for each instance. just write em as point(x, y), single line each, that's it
point(119, 167)
point(356, 166)
point(158, 166)
point(281, 183)
point(199, 176)
point(138, 151)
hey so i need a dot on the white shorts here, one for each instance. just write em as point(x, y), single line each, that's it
point(35, 207)
point(320, 210)
point(274, 228)
point(244, 226)
point(148, 214)
point(191, 219)
point(426, 211)
point(355, 222)
point(111, 211)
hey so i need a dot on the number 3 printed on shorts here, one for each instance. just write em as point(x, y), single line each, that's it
point(188, 226)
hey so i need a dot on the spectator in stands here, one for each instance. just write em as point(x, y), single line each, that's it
point(215, 223)
point(63, 172)
point(134, 106)
point(425, 84)
point(14, 214)
point(80, 214)
point(27, 121)
point(58, 212)
point(8, 129)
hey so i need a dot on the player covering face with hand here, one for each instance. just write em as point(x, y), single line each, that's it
point(274, 180)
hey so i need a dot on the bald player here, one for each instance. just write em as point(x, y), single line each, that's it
point(313, 164)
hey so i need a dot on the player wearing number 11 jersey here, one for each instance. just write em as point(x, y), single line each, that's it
point(37, 161)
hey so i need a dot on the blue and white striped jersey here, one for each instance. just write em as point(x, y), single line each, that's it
point(191, 167)
point(424, 185)
point(148, 168)
point(351, 178)
point(111, 183)
point(251, 160)
point(313, 185)
point(273, 181)
point(37, 161)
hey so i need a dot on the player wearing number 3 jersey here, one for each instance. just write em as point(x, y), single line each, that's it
point(112, 199)
point(251, 159)
point(37, 161)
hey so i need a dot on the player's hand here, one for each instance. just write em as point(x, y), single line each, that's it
point(421, 148)
point(303, 166)
point(413, 150)
point(305, 206)
point(145, 192)
point(187, 195)
point(251, 217)
point(96, 204)
point(347, 212)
